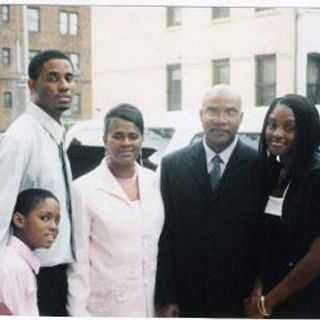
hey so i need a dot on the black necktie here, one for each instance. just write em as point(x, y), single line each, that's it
point(68, 192)
point(215, 173)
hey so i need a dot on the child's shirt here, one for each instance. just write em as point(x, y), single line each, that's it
point(18, 286)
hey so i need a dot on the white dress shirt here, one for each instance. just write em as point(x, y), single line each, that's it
point(116, 246)
point(224, 155)
point(29, 158)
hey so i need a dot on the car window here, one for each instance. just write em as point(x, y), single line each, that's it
point(157, 138)
point(251, 138)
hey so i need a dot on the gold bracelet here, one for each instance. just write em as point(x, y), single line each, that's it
point(262, 307)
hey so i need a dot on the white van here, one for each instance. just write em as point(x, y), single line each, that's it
point(189, 128)
point(164, 132)
point(85, 144)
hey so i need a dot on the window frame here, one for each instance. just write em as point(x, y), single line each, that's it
point(216, 67)
point(5, 16)
point(313, 86)
point(74, 111)
point(68, 26)
point(171, 17)
point(6, 95)
point(220, 13)
point(38, 20)
point(261, 85)
point(32, 53)
point(6, 56)
point(174, 90)
point(76, 66)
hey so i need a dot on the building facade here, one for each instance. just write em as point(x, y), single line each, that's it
point(27, 30)
point(164, 58)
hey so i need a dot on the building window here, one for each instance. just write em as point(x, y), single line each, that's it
point(76, 104)
point(221, 71)
point(75, 108)
point(5, 13)
point(262, 9)
point(75, 59)
point(69, 23)
point(7, 100)
point(265, 79)
point(33, 19)
point(218, 13)
point(174, 87)
point(313, 77)
point(174, 16)
point(6, 56)
point(33, 53)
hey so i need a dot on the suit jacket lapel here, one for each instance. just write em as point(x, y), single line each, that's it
point(233, 165)
point(106, 182)
point(198, 168)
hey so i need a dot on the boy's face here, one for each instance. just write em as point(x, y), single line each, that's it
point(40, 227)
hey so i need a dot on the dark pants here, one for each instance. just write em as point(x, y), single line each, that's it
point(52, 290)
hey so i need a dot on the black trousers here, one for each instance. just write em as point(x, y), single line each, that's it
point(52, 290)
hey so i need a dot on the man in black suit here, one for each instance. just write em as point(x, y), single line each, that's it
point(208, 247)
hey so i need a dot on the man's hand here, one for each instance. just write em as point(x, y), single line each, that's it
point(170, 310)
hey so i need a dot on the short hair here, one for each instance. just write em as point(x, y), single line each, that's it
point(126, 112)
point(29, 199)
point(307, 123)
point(41, 58)
point(223, 90)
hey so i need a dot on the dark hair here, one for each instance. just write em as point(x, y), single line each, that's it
point(41, 58)
point(307, 123)
point(28, 199)
point(126, 112)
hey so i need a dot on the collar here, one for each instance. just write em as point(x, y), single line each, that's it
point(224, 155)
point(55, 129)
point(25, 252)
point(108, 182)
point(105, 172)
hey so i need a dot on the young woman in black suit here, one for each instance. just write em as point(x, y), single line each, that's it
point(289, 190)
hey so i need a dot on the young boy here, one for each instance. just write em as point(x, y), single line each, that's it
point(35, 225)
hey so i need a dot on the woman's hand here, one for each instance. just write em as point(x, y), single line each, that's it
point(251, 303)
point(251, 307)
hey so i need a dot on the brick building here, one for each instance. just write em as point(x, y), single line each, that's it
point(27, 30)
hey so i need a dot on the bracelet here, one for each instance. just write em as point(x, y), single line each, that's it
point(262, 307)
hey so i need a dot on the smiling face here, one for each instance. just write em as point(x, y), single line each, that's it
point(220, 116)
point(52, 90)
point(39, 228)
point(280, 133)
point(123, 142)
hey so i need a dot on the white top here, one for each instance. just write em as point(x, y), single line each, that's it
point(224, 155)
point(29, 158)
point(274, 204)
point(18, 286)
point(116, 246)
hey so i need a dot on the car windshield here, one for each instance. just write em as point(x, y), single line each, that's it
point(157, 138)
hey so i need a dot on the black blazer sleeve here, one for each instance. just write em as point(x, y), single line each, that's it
point(165, 290)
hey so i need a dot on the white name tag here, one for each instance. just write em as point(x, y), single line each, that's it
point(274, 206)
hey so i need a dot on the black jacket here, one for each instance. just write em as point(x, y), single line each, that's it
point(208, 247)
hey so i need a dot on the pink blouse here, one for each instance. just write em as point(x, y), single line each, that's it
point(18, 287)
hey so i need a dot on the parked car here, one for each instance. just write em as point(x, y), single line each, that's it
point(164, 132)
point(85, 144)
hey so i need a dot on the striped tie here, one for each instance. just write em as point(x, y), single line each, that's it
point(215, 173)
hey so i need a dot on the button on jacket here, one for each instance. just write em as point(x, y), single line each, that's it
point(29, 158)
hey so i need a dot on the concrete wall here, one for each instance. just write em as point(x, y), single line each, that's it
point(130, 54)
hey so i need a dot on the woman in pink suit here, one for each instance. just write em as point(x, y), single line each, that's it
point(119, 219)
